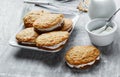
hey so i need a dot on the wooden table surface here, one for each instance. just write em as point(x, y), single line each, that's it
point(18, 62)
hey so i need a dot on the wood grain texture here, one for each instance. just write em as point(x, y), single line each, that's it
point(16, 62)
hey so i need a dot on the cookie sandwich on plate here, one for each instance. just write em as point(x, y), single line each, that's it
point(27, 36)
point(48, 22)
point(67, 25)
point(30, 17)
point(52, 40)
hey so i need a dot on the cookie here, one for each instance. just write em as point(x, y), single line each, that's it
point(52, 40)
point(82, 56)
point(27, 36)
point(30, 17)
point(48, 22)
point(82, 6)
point(67, 25)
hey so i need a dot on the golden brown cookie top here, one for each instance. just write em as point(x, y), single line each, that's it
point(81, 55)
point(67, 24)
point(48, 21)
point(30, 17)
point(27, 35)
point(52, 38)
point(28, 20)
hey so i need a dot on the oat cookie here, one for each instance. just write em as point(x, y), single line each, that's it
point(48, 22)
point(30, 17)
point(81, 56)
point(82, 6)
point(67, 24)
point(27, 36)
point(52, 40)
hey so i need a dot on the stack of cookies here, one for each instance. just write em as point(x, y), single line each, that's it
point(44, 30)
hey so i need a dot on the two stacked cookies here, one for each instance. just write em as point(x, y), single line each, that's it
point(48, 22)
point(45, 30)
point(82, 56)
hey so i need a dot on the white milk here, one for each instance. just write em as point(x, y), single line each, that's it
point(101, 8)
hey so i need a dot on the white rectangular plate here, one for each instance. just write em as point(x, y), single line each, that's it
point(14, 43)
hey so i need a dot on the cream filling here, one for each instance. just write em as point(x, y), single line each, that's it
point(69, 29)
point(56, 46)
point(27, 43)
point(52, 28)
point(82, 65)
